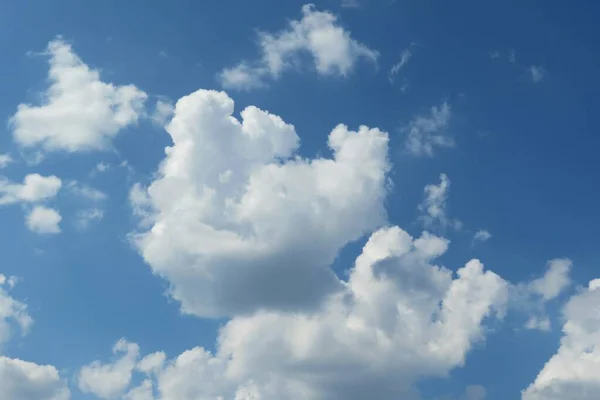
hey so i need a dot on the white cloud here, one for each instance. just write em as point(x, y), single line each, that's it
point(12, 312)
point(405, 57)
point(43, 220)
point(22, 380)
point(79, 111)
point(142, 392)
point(482, 235)
point(35, 188)
point(163, 111)
point(555, 279)
point(109, 381)
point(531, 297)
point(317, 34)
point(102, 167)
point(398, 319)
point(5, 160)
point(537, 73)
point(543, 324)
point(434, 207)
point(85, 191)
point(426, 133)
point(83, 218)
point(264, 237)
point(243, 77)
point(572, 373)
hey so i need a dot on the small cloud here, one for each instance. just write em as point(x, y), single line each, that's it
point(482, 235)
point(434, 208)
point(86, 191)
point(331, 48)
point(102, 167)
point(405, 57)
point(495, 55)
point(537, 73)
point(43, 220)
point(425, 133)
point(539, 323)
point(163, 110)
point(84, 218)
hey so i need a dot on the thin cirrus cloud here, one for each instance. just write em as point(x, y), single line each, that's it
point(434, 208)
point(330, 46)
point(426, 133)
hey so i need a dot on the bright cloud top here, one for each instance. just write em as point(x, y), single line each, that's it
point(317, 34)
point(572, 373)
point(241, 223)
point(79, 111)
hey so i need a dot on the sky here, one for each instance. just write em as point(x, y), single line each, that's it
point(264, 200)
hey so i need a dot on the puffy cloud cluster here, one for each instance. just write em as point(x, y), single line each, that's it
point(238, 222)
point(317, 34)
point(108, 381)
point(572, 373)
point(398, 318)
point(23, 380)
point(19, 379)
point(79, 112)
point(34, 190)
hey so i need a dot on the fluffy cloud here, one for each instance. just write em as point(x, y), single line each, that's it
point(22, 380)
point(12, 312)
point(109, 381)
point(318, 34)
point(555, 279)
point(434, 207)
point(238, 222)
point(43, 220)
point(426, 133)
point(531, 297)
point(35, 188)
point(572, 373)
point(397, 319)
point(79, 111)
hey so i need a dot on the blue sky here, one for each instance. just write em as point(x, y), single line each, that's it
point(224, 265)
